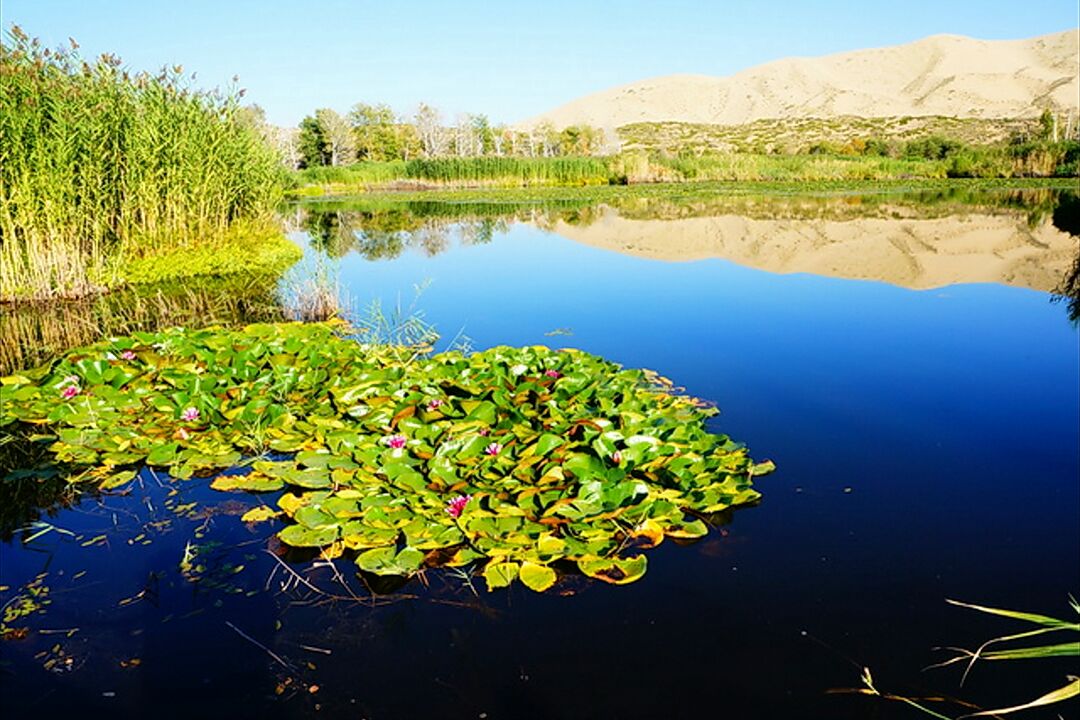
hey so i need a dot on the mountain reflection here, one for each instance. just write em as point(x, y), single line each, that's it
point(918, 240)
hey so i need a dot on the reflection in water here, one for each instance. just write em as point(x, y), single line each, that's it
point(901, 422)
point(31, 485)
point(33, 334)
point(916, 240)
point(385, 235)
point(1066, 217)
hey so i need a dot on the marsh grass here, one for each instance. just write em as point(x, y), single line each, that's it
point(454, 172)
point(99, 167)
point(311, 290)
point(691, 173)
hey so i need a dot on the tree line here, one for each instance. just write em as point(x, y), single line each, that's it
point(374, 133)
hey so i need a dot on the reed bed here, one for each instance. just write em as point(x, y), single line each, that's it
point(99, 166)
point(511, 170)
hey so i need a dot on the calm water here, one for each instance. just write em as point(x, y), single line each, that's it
point(922, 405)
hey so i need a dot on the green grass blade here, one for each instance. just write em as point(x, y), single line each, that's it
point(1043, 651)
point(1071, 690)
point(1027, 617)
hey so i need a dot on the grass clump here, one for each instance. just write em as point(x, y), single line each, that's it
point(100, 167)
point(254, 252)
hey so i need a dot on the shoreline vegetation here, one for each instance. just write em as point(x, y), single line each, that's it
point(372, 149)
point(105, 174)
point(111, 178)
point(1053, 160)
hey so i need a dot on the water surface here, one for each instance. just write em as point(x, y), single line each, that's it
point(898, 357)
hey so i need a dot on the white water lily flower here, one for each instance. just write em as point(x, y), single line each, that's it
point(518, 369)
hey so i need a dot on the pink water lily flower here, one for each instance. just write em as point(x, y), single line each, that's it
point(493, 449)
point(190, 415)
point(434, 404)
point(457, 505)
point(70, 391)
point(394, 441)
point(483, 432)
point(553, 374)
point(127, 355)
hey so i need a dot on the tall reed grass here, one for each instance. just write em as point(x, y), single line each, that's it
point(99, 166)
point(511, 170)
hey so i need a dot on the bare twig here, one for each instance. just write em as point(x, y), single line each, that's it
point(259, 645)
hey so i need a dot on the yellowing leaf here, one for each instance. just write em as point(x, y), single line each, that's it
point(259, 514)
point(536, 577)
point(500, 574)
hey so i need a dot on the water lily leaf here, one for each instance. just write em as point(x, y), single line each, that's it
point(313, 516)
point(312, 478)
point(692, 529)
point(463, 556)
point(550, 546)
point(253, 482)
point(547, 443)
point(617, 571)
point(313, 459)
point(117, 479)
point(763, 468)
point(500, 574)
point(261, 513)
point(583, 466)
point(301, 536)
point(388, 561)
point(290, 503)
point(536, 577)
point(648, 534)
point(163, 455)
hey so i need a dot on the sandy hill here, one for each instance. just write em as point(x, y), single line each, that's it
point(946, 75)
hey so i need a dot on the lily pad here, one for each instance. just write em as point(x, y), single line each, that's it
point(253, 482)
point(512, 469)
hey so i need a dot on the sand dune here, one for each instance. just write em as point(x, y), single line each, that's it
point(946, 75)
point(911, 253)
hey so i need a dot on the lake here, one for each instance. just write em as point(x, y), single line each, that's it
point(900, 357)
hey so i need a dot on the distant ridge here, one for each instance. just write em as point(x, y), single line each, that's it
point(942, 75)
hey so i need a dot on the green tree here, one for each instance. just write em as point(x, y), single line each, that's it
point(339, 136)
point(311, 144)
point(376, 132)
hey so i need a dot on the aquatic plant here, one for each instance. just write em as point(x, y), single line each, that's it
point(100, 166)
point(516, 470)
point(1038, 625)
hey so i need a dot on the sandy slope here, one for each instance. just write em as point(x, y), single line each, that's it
point(912, 253)
point(939, 75)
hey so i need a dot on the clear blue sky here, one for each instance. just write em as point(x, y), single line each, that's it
point(509, 60)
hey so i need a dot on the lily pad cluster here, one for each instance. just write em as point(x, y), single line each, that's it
point(523, 461)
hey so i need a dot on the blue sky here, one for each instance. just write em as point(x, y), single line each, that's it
point(509, 60)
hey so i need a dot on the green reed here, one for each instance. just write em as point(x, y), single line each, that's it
point(99, 166)
point(511, 171)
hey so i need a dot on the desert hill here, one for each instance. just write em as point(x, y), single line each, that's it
point(942, 75)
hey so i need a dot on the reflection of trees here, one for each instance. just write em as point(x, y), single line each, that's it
point(386, 234)
point(1066, 217)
